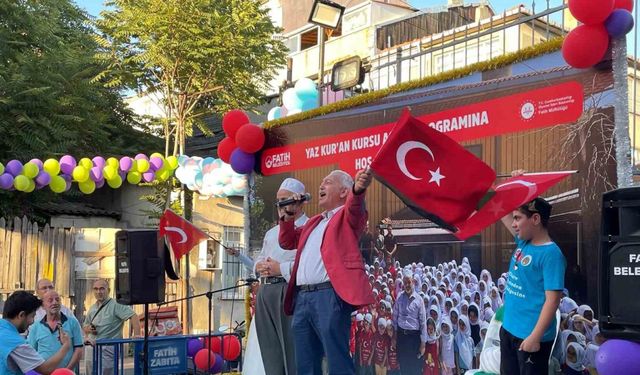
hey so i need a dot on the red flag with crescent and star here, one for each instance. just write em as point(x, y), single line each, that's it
point(181, 234)
point(432, 174)
point(508, 196)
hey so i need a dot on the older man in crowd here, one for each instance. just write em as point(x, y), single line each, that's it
point(44, 334)
point(410, 320)
point(43, 286)
point(327, 280)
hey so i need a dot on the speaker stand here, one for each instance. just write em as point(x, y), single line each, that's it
point(145, 344)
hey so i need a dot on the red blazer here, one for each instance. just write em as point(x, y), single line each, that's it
point(339, 250)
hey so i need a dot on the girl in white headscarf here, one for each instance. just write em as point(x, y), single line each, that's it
point(496, 300)
point(485, 275)
point(448, 305)
point(474, 320)
point(586, 313)
point(431, 354)
point(502, 284)
point(592, 348)
point(465, 345)
point(447, 350)
point(464, 308)
point(434, 313)
point(477, 298)
point(441, 297)
point(483, 289)
point(567, 305)
point(574, 363)
point(454, 317)
point(488, 315)
point(455, 297)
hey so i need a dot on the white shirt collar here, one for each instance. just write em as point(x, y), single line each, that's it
point(329, 214)
point(301, 220)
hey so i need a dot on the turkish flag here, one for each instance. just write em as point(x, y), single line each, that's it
point(508, 196)
point(431, 173)
point(180, 233)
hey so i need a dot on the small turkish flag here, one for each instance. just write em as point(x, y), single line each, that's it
point(431, 173)
point(508, 196)
point(181, 234)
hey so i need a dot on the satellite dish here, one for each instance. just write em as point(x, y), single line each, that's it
point(223, 328)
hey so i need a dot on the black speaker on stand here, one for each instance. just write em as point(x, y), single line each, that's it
point(619, 266)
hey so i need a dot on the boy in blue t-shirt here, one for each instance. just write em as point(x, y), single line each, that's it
point(533, 292)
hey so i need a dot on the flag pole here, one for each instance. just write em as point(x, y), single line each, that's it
point(505, 175)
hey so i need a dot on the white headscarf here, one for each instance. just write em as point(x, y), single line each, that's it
point(497, 301)
point(431, 338)
point(465, 344)
point(447, 344)
point(578, 365)
point(567, 305)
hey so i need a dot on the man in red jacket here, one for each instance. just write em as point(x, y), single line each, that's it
point(328, 280)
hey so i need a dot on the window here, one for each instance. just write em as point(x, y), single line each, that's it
point(232, 268)
point(309, 39)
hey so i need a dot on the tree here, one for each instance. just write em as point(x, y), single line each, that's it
point(200, 56)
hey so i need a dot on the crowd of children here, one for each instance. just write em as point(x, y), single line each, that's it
point(459, 307)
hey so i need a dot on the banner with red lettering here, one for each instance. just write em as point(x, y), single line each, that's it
point(547, 106)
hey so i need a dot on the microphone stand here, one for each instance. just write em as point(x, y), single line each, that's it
point(209, 296)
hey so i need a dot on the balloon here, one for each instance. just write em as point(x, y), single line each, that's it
point(62, 371)
point(67, 163)
point(204, 359)
point(225, 148)
point(14, 167)
point(109, 172)
point(1, 168)
point(619, 23)
point(99, 161)
point(291, 100)
point(99, 184)
point(306, 89)
point(295, 111)
point(618, 357)
point(32, 372)
point(95, 174)
point(30, 170)
point(126, 163)
point(21, 182)
point(148, 176)
point(86, 163)
point(228, 190)
point(238, 184)
point(30, 187)
point(250, 138)
point(164, 174)
point(57, 184)
point(585, 45)
point(37, 162)
point(194, 346)
point(242, 162)
point(51, 166)
point(134, 177)
point(80, 174)
point(141, 156)
point(43, 178)
point(274, 113)
point(172, 161)
point(309, 104)
point(115, 182)
point(214, 344)
point(623, 4)
point(143, 165)
point(6, 181)
point(232, 121)
point(182, 159)
point(217, 190)
point(217, 367)
point(113, 162)
point(157, 162)
point(231, 346)
point(87, 187)
point(591, 12)
point(156, 155)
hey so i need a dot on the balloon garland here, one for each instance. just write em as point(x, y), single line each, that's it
point(587, 44)
point(302, 97)
point(210, 177)
point(243, 140)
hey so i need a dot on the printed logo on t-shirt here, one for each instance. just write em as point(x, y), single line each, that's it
point(526, 260)
point(518, 254)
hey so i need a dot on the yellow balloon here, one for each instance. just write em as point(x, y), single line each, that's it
point(31, 187)
point(80, 174)
point(115, 182)
point(134, 178)
point(142, 165)
point(163, 174)
point(172, 161)
point(87, 187)
point(21, 183)
point(57, 184)
point(51, 166)
point(86, 163)
point(30, 170)
point(113, 162)
point(109, 172)
point(156, 155)
point(1, 168)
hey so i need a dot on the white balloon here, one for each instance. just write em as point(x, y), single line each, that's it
point(291, 100)
point(294, 111)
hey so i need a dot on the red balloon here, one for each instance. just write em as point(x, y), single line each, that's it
point(62, 371)
point(231, 348)
point(585, 46)
point(225, 148)
point(624, 4)
point(250, 138)
point(233, 120)
point(204, 357)
point(591, 12)
point(214, 344)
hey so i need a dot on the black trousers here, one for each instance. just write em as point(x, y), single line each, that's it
point(516, 362)
point(408, 346)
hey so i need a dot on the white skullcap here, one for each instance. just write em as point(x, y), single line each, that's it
point(359, 317)
point(382, 322)
point(292, 185)
point(389, 323)
point(368, 317)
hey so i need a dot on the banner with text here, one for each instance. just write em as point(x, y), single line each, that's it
point(548, 106)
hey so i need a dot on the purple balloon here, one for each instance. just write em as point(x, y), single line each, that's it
point(68, 186)
point(148, 176)
point(619, 23)
point(14, 167)
point(618, 357)
point(37, 162)
point(242, 162)
point(125, 163)
point(141, 156)
point(32, 372)
point(99, 183)
point(43, 178)
point(156, 162)
point(95, 174)
point(67, 163)
point(99, 161)
point(194, 346)
point(217, 367)
point(6, 181)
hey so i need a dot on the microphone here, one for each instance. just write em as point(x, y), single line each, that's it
point(286, 202)
point(251, 280)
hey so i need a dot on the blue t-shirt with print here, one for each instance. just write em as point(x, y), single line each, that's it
point(533, 270)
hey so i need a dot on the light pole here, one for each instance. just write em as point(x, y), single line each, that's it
point(327, 15)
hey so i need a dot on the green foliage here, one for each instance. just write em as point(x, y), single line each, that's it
point(200, 56)
point(259, 225)
point(159, 198)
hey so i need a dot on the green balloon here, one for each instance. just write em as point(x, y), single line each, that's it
point(134, 178)
point(80, 173)
point(142, 165)
point(87, 187)
point(31, 187)
point(51, 166)
point(86, 163)
point(109, 172)
point(115, 182)
point(21, 182)
point(57, 184)
point(172, 161)
point(1, 168)
point(163, 174)
point(30, 170)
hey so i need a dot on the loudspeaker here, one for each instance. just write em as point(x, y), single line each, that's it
point(139, 267)
point(619, 266)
